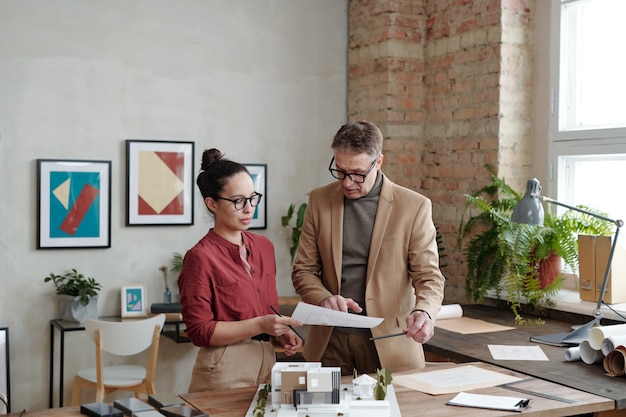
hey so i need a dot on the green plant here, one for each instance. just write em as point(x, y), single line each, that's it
point(75, 284)
point(296, 229)
point(505, 256)
point(176, 263)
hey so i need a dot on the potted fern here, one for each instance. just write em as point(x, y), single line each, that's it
point(77, 294)
point(507, 257)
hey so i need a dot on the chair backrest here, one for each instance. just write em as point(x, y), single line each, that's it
point(126, 337)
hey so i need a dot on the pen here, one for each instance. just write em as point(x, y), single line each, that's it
point(294, 330)
point(388, 335)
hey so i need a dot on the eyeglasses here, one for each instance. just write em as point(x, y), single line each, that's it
point(240, 202)
point(341, 175)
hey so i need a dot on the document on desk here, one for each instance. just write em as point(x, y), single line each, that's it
point(492, 402)
point(316, 315)
point(454, 379)
point(517, 353)
point(467, 325)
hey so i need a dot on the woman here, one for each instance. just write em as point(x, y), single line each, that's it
point(228, 286)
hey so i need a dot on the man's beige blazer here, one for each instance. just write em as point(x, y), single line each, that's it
point(402, 274)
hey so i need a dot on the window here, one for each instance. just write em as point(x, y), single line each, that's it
point(588, 120)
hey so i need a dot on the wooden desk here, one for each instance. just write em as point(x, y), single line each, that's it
point(473, 347)
point(235, 402)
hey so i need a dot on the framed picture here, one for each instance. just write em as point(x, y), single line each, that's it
point(5, 385)
point(259, 177)
point(73, 204)
point(159, 182)
point(134, 303)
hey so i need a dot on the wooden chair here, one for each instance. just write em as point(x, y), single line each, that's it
point(125, 338)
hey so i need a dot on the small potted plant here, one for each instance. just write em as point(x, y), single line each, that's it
point(296, 229)
point(78, 295)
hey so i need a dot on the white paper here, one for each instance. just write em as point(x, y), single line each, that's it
point(454, 379)
point(316, 315)
point(517, 353)
point(495, 402)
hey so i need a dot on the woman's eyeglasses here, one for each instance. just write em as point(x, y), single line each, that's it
point(240, 202)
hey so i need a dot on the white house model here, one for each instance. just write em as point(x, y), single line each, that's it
point(308, 388)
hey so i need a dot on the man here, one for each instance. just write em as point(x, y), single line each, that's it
point(368, 246)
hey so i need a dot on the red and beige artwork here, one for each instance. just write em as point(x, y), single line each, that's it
point(161, 183)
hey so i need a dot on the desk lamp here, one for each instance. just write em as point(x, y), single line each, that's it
point(530, 211)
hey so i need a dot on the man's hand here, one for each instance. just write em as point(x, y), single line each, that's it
point(339, 303)
point(419, 327)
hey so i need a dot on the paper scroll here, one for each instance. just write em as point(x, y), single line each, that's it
point(572, 354)
point(450, 311)
point(611, 342)
point(614, 362)
point(588, 354)
point(599, 333)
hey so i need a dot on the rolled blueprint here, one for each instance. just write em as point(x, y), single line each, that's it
point(599, 333)
point(588, 354)
point(572, 354)
point(611, 342)
point(614, 362)
point(450, 311)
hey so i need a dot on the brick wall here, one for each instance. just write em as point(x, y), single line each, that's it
point(449, 84)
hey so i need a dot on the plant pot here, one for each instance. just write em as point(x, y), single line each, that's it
point(72, 310)
point(549, 269)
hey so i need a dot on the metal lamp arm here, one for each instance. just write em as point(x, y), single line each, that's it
point(618, 224)
point(605, 281)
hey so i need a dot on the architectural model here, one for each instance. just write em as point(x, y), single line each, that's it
point(300, 389)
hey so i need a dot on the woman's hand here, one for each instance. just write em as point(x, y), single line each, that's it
point(291, 342)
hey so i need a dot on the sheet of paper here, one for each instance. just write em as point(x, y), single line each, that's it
point(455, 379)
point(316, 315)
point(517, 353)
point(466, 325)
point(494, 402)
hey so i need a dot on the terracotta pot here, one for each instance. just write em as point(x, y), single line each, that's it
point(549, 269)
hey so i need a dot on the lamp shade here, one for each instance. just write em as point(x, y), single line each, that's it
point(529, 209)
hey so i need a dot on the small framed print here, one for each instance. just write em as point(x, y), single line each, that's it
point(134, 303)
point(159, 182)
point(259, 178)
point(73, 204)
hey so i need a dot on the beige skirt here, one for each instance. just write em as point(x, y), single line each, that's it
point(243, 364)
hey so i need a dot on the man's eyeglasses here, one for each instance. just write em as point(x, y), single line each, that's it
point(341, 175)
point(240, 202)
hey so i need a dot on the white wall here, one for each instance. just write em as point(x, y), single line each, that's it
point(262, 80)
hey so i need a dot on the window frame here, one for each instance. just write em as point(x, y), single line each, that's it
point(571, 142)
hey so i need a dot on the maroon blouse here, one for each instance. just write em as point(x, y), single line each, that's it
point(215, 285)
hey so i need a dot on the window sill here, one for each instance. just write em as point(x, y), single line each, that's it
point(568, 301)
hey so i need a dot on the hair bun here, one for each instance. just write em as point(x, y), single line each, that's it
point(210, 156)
